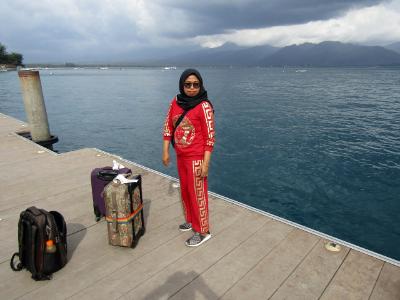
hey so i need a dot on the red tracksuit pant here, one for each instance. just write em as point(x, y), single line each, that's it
point(194, 193)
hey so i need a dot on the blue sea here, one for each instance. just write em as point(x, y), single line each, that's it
point(317, 146)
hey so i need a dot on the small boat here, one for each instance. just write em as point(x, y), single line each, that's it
point(170, 68)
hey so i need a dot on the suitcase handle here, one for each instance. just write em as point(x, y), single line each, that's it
point(107, 175)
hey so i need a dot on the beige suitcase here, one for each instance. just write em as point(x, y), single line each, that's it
point(124, 212)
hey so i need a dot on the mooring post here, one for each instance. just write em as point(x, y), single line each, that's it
point(35, 108)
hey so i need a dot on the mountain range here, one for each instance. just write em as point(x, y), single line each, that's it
point(324, 54)
point(395, 47)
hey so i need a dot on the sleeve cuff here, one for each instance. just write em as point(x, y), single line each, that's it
point(208, 148)
point(167, 138)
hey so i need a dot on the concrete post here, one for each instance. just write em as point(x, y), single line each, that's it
point(34, 105)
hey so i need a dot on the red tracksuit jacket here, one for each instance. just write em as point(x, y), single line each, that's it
point(195, 134)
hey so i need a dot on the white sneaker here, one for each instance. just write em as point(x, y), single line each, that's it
point(197, 239)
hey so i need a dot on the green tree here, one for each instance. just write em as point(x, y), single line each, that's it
point(3, 53)
point(12, 58)
point(15, 59)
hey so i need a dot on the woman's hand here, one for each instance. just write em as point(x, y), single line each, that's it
point(165, 159)
point(165, 154)
point(204, 170)
point(205, 164)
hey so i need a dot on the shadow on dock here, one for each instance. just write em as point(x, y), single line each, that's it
point(183, 279)
point(76, 233)
point(146, 210)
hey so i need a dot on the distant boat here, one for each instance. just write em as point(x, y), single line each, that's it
point(170, 68)
point(103, 68)
point(300, 71)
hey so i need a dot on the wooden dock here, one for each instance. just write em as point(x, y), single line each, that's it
point(250, 256)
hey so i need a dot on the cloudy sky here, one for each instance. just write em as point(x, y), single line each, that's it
point(118, 30)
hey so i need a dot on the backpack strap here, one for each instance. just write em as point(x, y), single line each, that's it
point(35, 211)
point(12, 265)
point(37, 234)
point(32, 232)
point(21, 242)
point(180, 120)
point(59, 231)
point(176, 126)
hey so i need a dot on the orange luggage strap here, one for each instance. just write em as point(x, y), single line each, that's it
point(126, 219)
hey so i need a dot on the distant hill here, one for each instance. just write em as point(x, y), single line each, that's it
point(325, 54)
point(226, 55)
point(332, 54)
point(394, 47)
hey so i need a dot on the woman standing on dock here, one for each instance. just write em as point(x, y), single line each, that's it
point(189, 127)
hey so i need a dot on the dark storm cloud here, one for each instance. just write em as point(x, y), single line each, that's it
point(74, 30)
point(213, 17)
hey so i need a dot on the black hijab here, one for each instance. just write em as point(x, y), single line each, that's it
point(183, 100)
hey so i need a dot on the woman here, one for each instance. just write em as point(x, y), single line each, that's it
point(189, 126)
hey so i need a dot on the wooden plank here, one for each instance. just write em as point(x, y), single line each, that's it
point(311, 277)
point(175, 276)
point(73, 212)
point(8, 122)
point(355, 279)
point(221, 276)
point(18, 152)
point(80, 245)
point(267, 276)
point(388, 284)
point(55, 163)
point(76, 206)
point(35, 165)
point(113, 285)
point(41, 190)
point(8, 129)
point(90, 257)
point(11, 141)
point(47, 184)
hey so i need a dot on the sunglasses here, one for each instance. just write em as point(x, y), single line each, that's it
point(194, 85)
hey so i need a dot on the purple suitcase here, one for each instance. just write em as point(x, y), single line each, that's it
point(100, 177)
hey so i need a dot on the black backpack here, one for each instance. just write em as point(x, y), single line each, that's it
point(36, 229)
